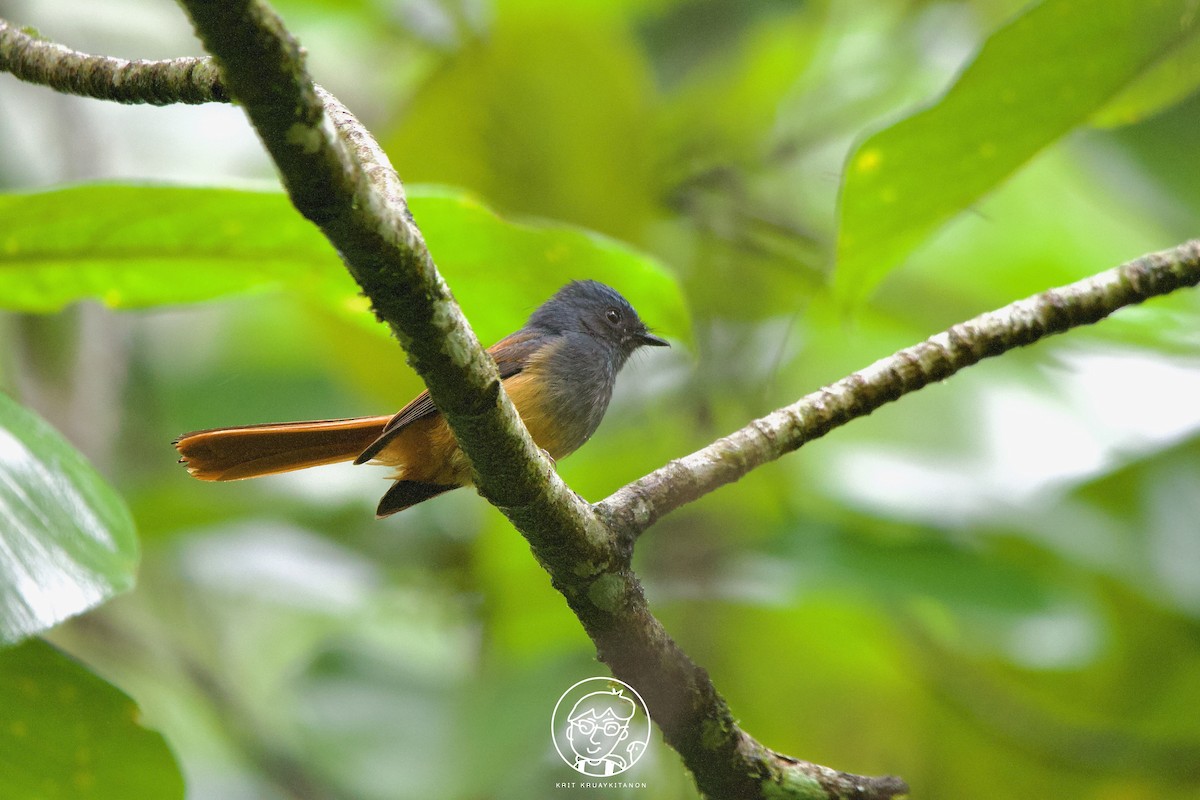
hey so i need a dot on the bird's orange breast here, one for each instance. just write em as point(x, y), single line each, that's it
point(425, 450)
point(529, 396)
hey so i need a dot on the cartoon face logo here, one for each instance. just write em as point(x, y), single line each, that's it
point(597, 727)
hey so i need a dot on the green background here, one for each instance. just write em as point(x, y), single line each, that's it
point(990, 588)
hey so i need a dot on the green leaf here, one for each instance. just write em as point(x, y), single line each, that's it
point(65, 733)
point(137, 246)
point(550, 114)
point(1172, 78)
point(67, 541)
point(1035, 79)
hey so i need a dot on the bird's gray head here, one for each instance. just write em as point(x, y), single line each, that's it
point(597, 310)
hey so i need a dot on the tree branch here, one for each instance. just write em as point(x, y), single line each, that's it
point(635, 507)
point(159, 83)
point(338, 177)
point(356, 202)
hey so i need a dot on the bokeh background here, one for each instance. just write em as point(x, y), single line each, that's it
point(991, 588)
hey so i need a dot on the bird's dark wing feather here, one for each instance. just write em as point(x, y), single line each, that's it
point(511, 354)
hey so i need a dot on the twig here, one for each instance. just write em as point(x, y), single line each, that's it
point(635, 507)
point(159, 83)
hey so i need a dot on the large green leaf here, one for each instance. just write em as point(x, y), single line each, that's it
point(1035, 79)
point(67, 541)
point(550, 114)
point(1172, 78)
point(138, 246)
point(65, 733)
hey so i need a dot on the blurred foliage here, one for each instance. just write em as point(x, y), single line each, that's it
point(903, 182)
point(991, 588)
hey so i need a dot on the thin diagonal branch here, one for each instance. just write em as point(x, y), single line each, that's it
point(635, 507)
point(160, 83)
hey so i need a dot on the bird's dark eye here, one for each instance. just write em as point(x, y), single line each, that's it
point(613, 316)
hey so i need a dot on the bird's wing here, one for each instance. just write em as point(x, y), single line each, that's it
point(511, 354)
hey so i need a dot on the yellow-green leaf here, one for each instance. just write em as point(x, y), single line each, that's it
point(1037, 78)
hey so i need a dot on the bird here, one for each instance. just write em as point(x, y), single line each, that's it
point(559, 370)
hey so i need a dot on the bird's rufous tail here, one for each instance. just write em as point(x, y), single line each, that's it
point(230, 454)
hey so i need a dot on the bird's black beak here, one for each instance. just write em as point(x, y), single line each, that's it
point(646, 337)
